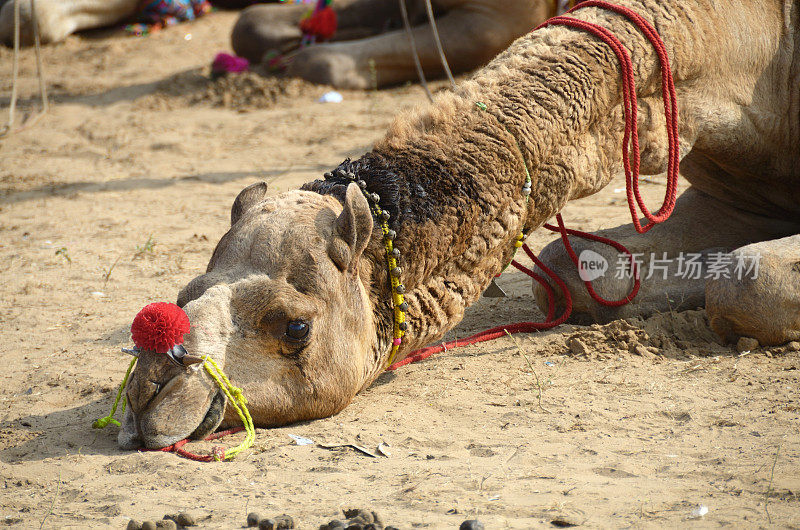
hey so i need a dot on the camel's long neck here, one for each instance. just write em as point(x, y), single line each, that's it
point(458, 210)
point(457, 168)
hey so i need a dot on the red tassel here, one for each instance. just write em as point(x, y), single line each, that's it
point(159, 326)
point(321, 24)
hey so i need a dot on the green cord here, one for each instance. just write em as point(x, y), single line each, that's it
point(103, 422)
point(234, 395)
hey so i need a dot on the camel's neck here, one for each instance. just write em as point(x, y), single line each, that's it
point(457, 204)
point(452, 174)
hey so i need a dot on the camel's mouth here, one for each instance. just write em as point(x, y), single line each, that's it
point(212, 419)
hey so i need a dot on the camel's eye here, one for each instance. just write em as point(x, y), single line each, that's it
point(297, 330)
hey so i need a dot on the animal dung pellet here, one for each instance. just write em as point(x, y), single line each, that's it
point(285, 522)
point(334, 524)
point(253, 519)
point(267, 524)
point(133, 524)
point(186, 519)
point(149, 525)
point(471, 524)
point(365, 516)
point(355, 526)
point(167, 524)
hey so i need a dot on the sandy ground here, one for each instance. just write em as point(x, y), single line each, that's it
point(117, 198)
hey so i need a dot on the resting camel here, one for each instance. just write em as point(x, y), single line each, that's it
point(370, 46)
point(296, 303)
point(59, 19)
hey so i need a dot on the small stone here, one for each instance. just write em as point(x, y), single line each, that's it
point(133, 524)
point(167, 524)
point(149, 525)
point(746, 344)
point(284, 522)
point(794, 346)
point(471, 524)
point(267, 524)
point(186, 519)
point(253, 519)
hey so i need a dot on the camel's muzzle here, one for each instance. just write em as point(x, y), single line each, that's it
point(212, 418)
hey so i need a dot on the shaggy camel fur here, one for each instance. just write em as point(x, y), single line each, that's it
point(295, 303)
point(371, 47)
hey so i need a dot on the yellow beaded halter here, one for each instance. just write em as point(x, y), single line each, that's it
point(399, 304)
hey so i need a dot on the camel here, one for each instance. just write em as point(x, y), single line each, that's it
point(59, 19)
point(296, 304)
point(364, 54)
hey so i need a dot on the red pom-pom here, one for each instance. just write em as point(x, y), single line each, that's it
point(321, 24)
point(159, 326)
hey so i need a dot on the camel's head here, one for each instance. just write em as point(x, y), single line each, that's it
point(282, 308)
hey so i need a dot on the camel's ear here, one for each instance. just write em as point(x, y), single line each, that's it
point(248, 197)
point(352, 231)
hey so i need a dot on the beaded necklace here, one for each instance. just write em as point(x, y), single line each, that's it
point(399, 304)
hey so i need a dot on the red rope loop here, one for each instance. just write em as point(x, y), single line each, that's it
point(217, 453)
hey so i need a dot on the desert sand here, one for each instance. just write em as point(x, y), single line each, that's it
point(117, 197)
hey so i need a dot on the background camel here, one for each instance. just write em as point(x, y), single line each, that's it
point(451, 177)
point(60, 18)
point(371, 48)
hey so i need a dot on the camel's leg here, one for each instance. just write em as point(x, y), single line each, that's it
point(58, 19)
point(267, 28)
point(764, 304)
point(701, 231)
point(470, 38)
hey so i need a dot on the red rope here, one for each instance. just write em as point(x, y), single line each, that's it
point(630, 142)
point(216, 454)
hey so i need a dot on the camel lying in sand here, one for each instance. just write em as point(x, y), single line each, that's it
point(296, 302)
point(371, 48)
point(60, 18)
